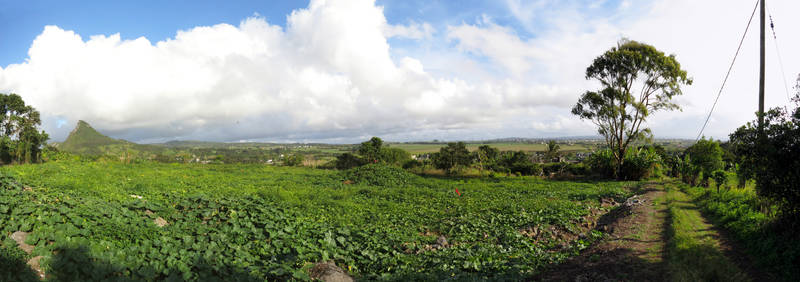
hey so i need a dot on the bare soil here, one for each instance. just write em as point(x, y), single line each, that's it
point(632, 249)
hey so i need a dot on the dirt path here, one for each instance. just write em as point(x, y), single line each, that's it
point(663, 238)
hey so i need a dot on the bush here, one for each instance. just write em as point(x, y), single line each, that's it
point(348, 161)
point(380, 175)
point(773, 159)
point(294, 160)
point(706, 155)
point(602, 162)
point(772, 243)
point(638, 164)
point(516, 163)
point(720, 178)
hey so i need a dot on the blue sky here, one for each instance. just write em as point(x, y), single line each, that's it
point(344, 70)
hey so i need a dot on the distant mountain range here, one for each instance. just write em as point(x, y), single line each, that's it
point(85, 140)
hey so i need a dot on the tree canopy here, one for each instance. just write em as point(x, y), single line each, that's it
point(773, 159)
point(636, 80)
point(20, 139)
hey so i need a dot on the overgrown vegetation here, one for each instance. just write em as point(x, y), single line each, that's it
point(96, 221)
point(748, 218)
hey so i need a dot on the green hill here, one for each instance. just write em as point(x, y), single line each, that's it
point(85, 140)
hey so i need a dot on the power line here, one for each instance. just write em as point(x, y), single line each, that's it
point(780, 59)
point(729, 72)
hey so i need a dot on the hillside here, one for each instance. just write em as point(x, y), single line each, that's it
point(85, 140)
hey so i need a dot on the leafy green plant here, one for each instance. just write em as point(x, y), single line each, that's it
point(720, 178)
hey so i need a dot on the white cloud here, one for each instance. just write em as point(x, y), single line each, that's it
point(328, 74)
point(331, 74)
point(413, 30)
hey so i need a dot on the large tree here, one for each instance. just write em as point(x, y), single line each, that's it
point(20, 139)
point(636, 80)
point(772, 158)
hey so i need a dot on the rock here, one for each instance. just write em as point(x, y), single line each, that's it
point(148, 212)
point(329, 272)
point(160, 222)
point(20, 237)
point(34, 264)
point(441, 241)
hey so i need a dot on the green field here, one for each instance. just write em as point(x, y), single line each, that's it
point(255, 222)
point(421, 148)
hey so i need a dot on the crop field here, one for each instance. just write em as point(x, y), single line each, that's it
point(95, 221)
point(421, 148)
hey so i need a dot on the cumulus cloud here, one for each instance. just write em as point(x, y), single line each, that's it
point(327, 74)
point(331, 74)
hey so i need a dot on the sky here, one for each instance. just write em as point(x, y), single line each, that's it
point(341, 71)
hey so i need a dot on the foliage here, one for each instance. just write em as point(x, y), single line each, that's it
point(551, 150)
point(620, 108)
point(706, 155)
point(243, 222)
point(518, 163)
point(394, 156)
point(381, 175)
point(486, 156)
point(294, 160)
point(371, 150)
point(638, 163)
point(689, 172)
point(452, 158)
point(771, 242)
point(720, 178)
point(20, 139)
point(774, 159)
point(348, 161)
point(603, 163)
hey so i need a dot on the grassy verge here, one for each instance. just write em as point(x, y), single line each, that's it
point(693, 250)
point(773, 247)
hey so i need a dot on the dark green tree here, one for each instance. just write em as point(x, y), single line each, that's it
point(486, 156)
point(636, 81)
point(551, 150)
point(348, 161)
point(371, 150)
point(773, 160)
point(452, 158)
point(720, 178)
point(706, 155)
point(394, 156)
point(20, 139)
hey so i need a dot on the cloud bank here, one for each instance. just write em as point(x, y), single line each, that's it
point(331, 75)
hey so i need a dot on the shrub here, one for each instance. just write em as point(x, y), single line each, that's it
point(294, 160)
point(720, 178)
point(602, 162)
point(638, 164)
point(517, 163)
point(348, 161)
point(773, 158)
point(380, 175)
point(706, 155)
point(452, 158)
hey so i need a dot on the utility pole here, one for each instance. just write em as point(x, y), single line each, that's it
point(761, 73)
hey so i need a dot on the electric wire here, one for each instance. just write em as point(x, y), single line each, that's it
point(778, 51)
point(729, 72)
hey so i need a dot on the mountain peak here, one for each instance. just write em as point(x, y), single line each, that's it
point(85, 139)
